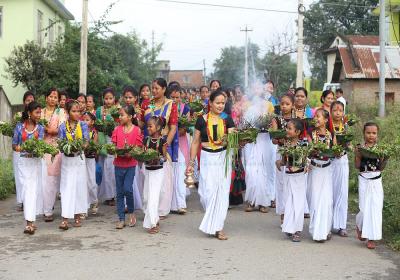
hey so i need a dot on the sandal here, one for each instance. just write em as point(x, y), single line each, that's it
point(342, 233)
point(77, 223)
point(111, 202)
point(296, 237)
point(371, 244)
point(273, 204)
point(132, 220)
point(249, 208)
point(48, 219)
point(263, 209)
point(329, 236)
point(163, 218)
point(220, 235)
point(120, 225)
point(29, 230)
point(182, 211)
point(63, 225)
point(359, 235)
point(154, 230)
point(306, 216)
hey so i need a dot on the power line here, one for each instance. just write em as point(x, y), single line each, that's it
point(228, 6)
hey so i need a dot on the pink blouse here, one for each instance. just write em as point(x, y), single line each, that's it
point(120, 138)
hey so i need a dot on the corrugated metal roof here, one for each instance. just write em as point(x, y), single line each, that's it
point(360, 59)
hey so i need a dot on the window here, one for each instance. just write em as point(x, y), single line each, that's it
point(39, 27)
point(51, 31)
point(1, 22)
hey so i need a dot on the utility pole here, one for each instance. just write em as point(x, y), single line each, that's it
point(246, 62)
point(204, 72)
point(84, 38)
point(300, 45)
point(382, 60)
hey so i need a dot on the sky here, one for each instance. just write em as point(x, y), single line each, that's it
point(191, 34)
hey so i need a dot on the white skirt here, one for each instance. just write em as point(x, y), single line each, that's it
point(370, 193)
point(295, 186)
point(340, 192)
point(73, 187)
point(215, 188)
point(179, 195)
point(30, 178)
point(51, 182)
point(153, 182)
point(167, 189)
point(107, 189)
point(91, 180)
point(18, 187)
point(321, 206)
point(280, 198)
point(257, 191)
point(138, 182)
point(270, 156)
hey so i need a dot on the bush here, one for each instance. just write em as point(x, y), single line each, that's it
point(389, 133)
point(7, 185)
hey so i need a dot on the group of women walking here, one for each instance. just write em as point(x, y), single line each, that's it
point(259, 176)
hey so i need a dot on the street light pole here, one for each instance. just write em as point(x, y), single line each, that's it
point(382, 60)
point(83, 58)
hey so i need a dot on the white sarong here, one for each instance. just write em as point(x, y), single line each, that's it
point(370, 193)
point(153, 182)
point(257, 191)
point(270, 159)
point(340, 192)
point(294, 186)
point(73, 187)
point(167, 189)
point(215, 185)
point(107, 189)
point(179, 195)
point(91, 180)
point(18, 187)
point(280, 198)
point(321, 206)
point(138, 182)
point(30, 178)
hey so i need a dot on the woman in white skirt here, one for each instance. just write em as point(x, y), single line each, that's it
point(320, 182)
point(370, 190)
point(29, 167)
point(258, 155)
point(278, 123)
point(294, 183)
point(90, 158)
point(215, 180)
point(340, 174)
point(154, 175)
point(73, 184)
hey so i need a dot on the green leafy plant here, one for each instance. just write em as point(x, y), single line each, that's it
point(380, 150)
point(277, 133)
point(92, 149)
point(295, 156)
point(114, 112)
point(38, 148)
point(183, 121)
point(196, 106)
point(321, 150)
point(105, 126)
point(7, 129)
point(74, 147)
point(144, 155)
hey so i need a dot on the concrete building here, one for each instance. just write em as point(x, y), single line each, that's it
point(42, 21)
point(187, 78)
point(6, 114)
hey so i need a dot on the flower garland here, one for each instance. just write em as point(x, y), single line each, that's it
point(75, 133)
point(326, 139)
point(26, 133)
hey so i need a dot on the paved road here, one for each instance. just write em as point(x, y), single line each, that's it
point(256, 250)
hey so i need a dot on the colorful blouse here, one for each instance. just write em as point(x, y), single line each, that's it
point(169, 111)
point(21, 134)
point(54, 121)
point(81, 131)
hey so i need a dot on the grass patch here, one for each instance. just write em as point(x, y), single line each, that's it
point(7, 184)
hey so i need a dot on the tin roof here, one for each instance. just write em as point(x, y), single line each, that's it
point(360, 57)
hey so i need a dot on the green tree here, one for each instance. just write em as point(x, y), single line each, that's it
point(327, 19)
point(27, 65)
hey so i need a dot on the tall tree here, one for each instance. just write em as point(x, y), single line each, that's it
point(326, 19)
